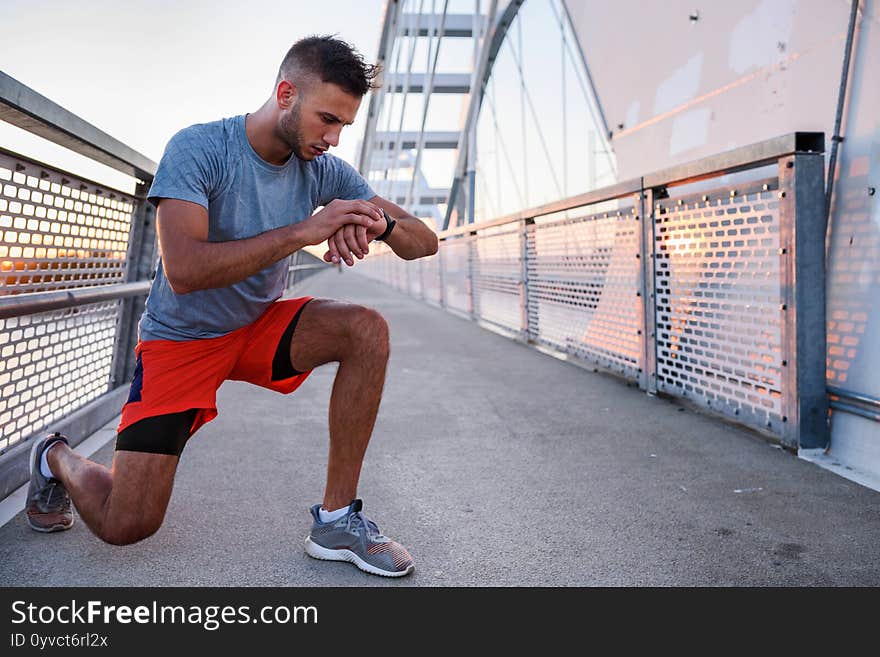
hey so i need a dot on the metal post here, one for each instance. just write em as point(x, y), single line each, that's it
point(802, 272)
point(442, 276)
point(389, 89)
point(564, 113)
point(415, 21)
point(644, 213)
point(471, 288)
point(527, 232)
point(471, 137)
point(139, 265)
point(522, 107)
point(427, 90)
point(472, 187)
point(421, 264)
point(377, 100)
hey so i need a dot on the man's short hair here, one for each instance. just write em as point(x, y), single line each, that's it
point(329, 60)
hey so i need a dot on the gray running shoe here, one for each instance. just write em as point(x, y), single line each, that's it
point(357, 539)
point(48, 502)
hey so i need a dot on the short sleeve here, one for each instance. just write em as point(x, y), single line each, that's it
point(188, 169)
point(338, 179)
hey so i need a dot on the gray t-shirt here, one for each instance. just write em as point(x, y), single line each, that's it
point(214, 165)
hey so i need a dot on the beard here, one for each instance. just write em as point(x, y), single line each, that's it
point(290, 132)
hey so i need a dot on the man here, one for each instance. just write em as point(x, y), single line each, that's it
point(234, 199)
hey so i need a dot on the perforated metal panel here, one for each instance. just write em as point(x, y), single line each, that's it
point(456, 273)
point(718, 302)
point(373, 265)
point(385, 268)
point(583, 277)
point(58, 232)
point(497, 276)
point(301, 265)
point(379, 264)
point(431, 280)
point(370, 267)
point(51, 364)
point(398, 273)
point(414, 278)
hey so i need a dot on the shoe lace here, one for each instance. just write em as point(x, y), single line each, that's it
point(54, 489)
point(358, 520)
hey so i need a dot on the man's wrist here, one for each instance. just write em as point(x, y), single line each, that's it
point(390, 224)
point(294, 240)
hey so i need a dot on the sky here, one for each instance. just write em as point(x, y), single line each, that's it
point(140, 70)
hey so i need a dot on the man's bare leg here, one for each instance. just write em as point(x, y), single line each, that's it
point(122, 504)
point(356, 338)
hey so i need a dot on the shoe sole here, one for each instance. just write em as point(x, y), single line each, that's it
point(49, 530)
point(326, 554)
point(54, 528)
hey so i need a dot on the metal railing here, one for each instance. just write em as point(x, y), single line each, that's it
point(703, 282)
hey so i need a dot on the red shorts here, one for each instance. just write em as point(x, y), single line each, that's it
point(172, 376)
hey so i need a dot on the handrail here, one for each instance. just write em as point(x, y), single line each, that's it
point(738, 159)
point(609, 193)
point(301, 267)
point(855, 403)
point(859, 397)
point(746, 157)
point(64, 173)
point(852, 409)
point(38, 302)
point(23, 107)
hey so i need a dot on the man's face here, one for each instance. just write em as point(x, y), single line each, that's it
point(314, 121)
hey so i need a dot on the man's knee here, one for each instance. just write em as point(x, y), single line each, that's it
point(129, 530)
point(136, 505)
point(368, 328)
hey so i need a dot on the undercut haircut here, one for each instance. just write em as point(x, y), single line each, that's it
point(330, 60)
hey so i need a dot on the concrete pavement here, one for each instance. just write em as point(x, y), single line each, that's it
point(493, 464)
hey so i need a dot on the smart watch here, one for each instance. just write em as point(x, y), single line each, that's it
point(390, 224)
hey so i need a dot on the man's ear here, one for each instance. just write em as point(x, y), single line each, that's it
point(285, 94)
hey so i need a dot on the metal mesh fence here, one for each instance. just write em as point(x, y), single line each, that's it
point(583, 277)
point(58, 232)
point(432, 281)
point(569, 284)
point(719, 318)
point(413, 275)
point(456, 273)
point(303, 264)
point(497, 276)
point(402, 272)
point(51, 364)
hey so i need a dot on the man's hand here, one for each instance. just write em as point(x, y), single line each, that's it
point(411, 238)
point(353, 240)
point(339, 215)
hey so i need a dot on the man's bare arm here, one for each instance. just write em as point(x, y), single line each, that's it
point(193, 263)
point(411, 238)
